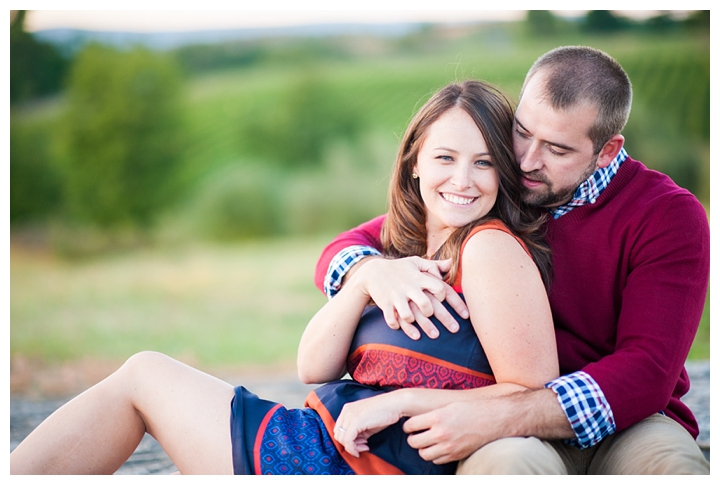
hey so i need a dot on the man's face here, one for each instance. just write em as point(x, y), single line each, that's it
point(553, 147)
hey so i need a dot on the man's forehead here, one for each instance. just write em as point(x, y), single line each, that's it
point(535, 93)
point(536, 109)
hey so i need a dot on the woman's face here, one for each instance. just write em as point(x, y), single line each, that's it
point(458, 180)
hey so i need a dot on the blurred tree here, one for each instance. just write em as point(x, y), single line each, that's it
point(227, 55)
point(121, 136)
point(541, 23)
point(700, 19)
point(297, 127)
point(661, 23)
point(36, 68)
point(35, 190)
point(603, 21)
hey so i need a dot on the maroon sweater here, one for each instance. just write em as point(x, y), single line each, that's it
point(630, 279)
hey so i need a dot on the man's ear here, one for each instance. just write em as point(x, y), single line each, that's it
point(610, 150)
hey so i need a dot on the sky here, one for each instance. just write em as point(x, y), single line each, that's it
point(149, 16)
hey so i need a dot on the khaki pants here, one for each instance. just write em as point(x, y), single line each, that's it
point(655, 446)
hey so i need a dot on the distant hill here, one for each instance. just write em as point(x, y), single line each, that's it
point(73, 39)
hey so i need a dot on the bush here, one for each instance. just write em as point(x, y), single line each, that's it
point(35, 187)
point(296, 128)
point(237, 202)
point(36, 68)
point(121, 136)
point(251, 199)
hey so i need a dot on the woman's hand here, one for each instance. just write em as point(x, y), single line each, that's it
point(359, 420)
point(409, 291)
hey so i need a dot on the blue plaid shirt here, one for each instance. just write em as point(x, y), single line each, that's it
point(579, 395)
point(588, 191)
point(341, 264)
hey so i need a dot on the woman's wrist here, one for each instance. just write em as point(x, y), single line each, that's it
point(359, 282)
point(404, 402)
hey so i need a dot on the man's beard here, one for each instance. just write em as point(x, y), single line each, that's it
point(551, 197)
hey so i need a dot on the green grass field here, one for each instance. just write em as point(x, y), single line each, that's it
point(212, 306)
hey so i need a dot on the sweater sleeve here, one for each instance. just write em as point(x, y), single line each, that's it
point(365, 240)
point(661, 304)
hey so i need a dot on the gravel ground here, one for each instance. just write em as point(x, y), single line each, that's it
point(150, 459)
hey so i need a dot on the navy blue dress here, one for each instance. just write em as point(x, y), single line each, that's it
point(270, 439)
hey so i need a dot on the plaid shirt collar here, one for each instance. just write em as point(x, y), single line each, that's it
point(589, 191)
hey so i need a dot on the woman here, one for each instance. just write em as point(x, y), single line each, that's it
point(455, 194)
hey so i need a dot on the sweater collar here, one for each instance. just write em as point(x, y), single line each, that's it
point(589, 191)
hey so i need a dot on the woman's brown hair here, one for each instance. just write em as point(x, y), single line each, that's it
point(404, 232)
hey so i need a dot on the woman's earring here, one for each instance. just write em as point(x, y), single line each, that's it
point(414, 175)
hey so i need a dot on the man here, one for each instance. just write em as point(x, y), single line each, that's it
point(631, 268)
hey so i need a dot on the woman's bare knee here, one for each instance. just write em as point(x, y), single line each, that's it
point(141, 367)
point(145, 359)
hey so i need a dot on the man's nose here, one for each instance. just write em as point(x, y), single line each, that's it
point(531, 160)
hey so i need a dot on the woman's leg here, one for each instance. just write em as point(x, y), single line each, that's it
point(185, 410)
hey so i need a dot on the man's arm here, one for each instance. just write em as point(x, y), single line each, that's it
point(408, 291)
point(455, 431)
point(662, 304)
point(366, 235)
point(661, 308)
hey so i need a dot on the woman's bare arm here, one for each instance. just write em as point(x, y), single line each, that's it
point(509, 309)
point(325, 343)
point(511, 315)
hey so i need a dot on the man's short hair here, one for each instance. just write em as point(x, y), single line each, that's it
point(577, 74)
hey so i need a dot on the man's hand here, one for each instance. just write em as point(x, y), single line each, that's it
point(457, 430)
point(450, 433)
point(411, 290)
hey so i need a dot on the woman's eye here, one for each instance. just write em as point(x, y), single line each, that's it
point(484, 163)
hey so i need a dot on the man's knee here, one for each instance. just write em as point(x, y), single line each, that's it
point(513, 456)
point(655, 446)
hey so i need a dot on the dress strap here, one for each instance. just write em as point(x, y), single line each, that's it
point(496, 224)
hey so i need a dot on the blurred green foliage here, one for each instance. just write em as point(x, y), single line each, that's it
point(294, 127)
point(237, 203)
point(262, 138)
point(35, 185)
point(292, 136)
point(120, 137)
point(604, 21)
point(36, 68)
point(542, 23)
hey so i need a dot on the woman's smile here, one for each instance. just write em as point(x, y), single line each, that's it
point(458, 199)
point(458, 181)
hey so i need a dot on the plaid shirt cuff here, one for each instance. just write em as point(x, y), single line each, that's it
point(586, 408)
point(341, 264)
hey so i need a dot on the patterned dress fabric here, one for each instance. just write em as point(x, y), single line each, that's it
point(269, 439)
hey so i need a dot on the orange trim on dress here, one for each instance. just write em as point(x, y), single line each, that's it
point(367, 464)
point(495, 224)
point(422, 357)
point(259, 436)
